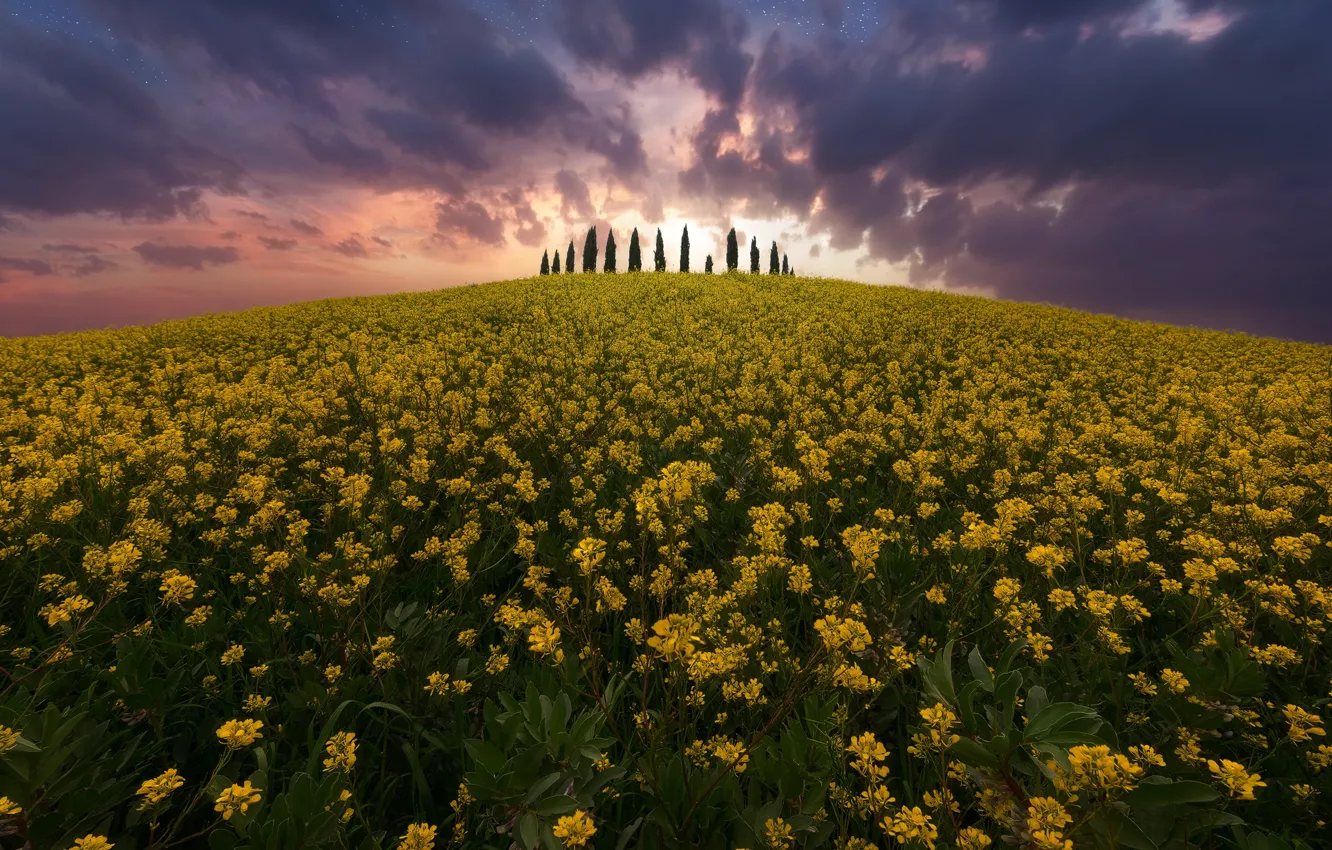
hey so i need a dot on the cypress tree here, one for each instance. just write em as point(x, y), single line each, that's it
point(732, 252)
point(772, 260)
point(569, 259)
point(590, 250)
point(684, 250)
point(555, 267)
point(659, 256)
point(545, 262)
point(753, 255)
point(786, 269)
point(635, 253)
point(707, 267)
point(610, 253)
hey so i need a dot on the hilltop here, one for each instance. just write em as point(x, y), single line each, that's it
point(688, 560)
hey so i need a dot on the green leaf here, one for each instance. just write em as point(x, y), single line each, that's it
point(1055, 717)
point(1125, 830)
point(542, 786)
point(1006, 660)
point(486, 754)
point(938, 674)
point(979, 670)
point(560, 804)
point(1005, 694)
point(965, 703)
point(528, 830)
point(1170, 793)
point(627, 833)
point(971, 753)
point(1036, 702)
point(221, 839)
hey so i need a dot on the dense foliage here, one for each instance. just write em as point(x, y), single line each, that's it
point(664, 561)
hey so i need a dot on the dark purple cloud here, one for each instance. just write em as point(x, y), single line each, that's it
point(633, 38)
point(67, 248)
point(438, 138)
point(531, 230)
point(351, 247)
point(80, 136)
point(93, 264)
point(275, 244)
point(338, 150)
point(306, 228)
point(186, 256)
point(1153, 173)
point(468, 220)
point(37, 268)
point(574, 196)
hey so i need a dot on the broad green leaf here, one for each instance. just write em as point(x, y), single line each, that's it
point(971, 753)
point(979, 670)
point(559, 804)
point(1170, 793)
point(1054, 717)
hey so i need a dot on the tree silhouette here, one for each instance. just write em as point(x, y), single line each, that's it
point(569, 259)
point(659, 256)
point(555, 267)
point(707, 266)
point(545, 262)
point(753, 255)
point(635, 253)
point(772, 260)
point(732, 251)
point(590, 250)
point(786, 269)
point(610, 252)
point(684, 250)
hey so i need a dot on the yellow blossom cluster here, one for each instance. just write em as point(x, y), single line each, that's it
point(744, 508)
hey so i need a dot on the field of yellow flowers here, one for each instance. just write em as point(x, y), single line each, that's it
point(662, 560)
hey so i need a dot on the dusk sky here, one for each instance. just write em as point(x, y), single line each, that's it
point(1158, 159)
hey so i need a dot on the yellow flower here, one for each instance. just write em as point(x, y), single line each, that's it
point(8, 808)
point(233, 654)
point(777, 833)
point(156, 790)
point(675, 636)
point(1237, 780)
point(1174, 680)
point(341, 749)
point(910, 825)
point(574, 830)
point(1046, 813)
point(868, 752)
point(1303, 724)
point(237, 798)
point(1049, 839)
point(176, 587)
point(92, 842)
point(419, 836)
point(544, 639)
point(240, 733)
point(8, 738)
point(971, 838)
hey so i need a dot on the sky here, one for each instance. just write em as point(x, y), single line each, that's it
point(1168, 160)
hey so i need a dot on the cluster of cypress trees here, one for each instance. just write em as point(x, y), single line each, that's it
point(659, 255)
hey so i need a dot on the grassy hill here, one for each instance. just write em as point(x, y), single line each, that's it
point(686, 561)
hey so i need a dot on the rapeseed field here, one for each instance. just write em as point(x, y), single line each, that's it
point(663, 560)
